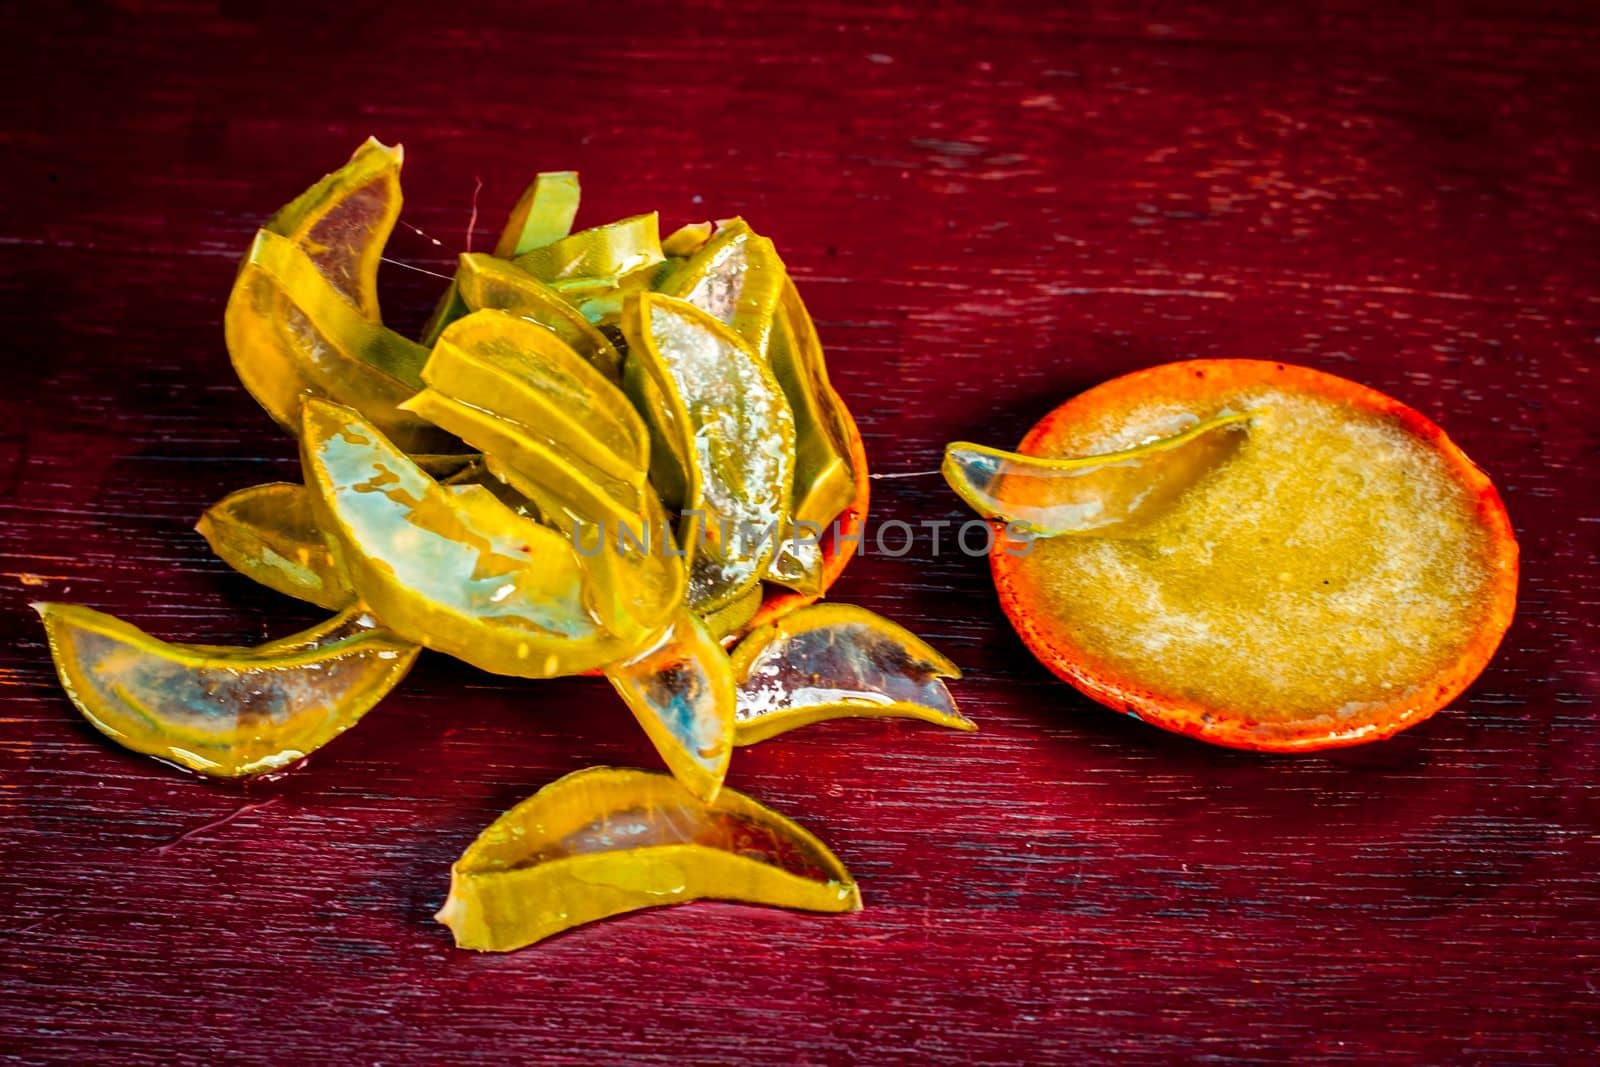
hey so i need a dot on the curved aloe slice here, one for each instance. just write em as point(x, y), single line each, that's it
point(303, 317)
point(600, 299)
point(681, 691)
point(824, 483)
point(543, 214)
point(671, 472)
point(486, 282)
point(605, 841)
point(835, 661)
point(343, 222)
point(611, 251)
point(267, 533)
point(797, 563)
point(686, 240)
point(523, 372)
point(736, 277)
point(1113, 494)
point(733, 617)
point(741, 441)
point(292, 334)
point(225, 712)
point(620, 529)
point(566, 487)
point(461, 573)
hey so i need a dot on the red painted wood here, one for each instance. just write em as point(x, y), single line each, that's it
point(988, 211)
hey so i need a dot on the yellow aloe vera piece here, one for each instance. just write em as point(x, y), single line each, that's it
point(350, 622)
point(543, 214)
point(797, 562)
point(671, 472)
point(741, 441)
point(600, 299)
point(824, 484)
point(224, 712)
point(486, 282)
point(480, 479)
point(733, 617)
point(523, 372)
point(461, 573)
point(687, 239)
point(737, 278)
point(610, 251)
point(291, 334)
point(605, 841)
point(620, 529)
point(1115, 494)
point(267, 533)
point(475, 477)
point(343, 222)
point(833, 661)
point(566, 487)
point(681, 691)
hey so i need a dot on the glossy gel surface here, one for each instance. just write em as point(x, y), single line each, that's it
point(682, 693)
point(267, 533)
point(1107, 495)
point(523, 372)
point(836, 661)
point(604, 841)
point(461, 573)
point(220, 711)
point(487, 282)
point(742, 443)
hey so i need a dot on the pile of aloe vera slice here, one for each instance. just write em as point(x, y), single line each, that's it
point(610, 453)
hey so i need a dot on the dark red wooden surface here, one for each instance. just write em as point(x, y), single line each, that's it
point(988, 212)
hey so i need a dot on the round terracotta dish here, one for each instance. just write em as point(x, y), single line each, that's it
point(1347, 573)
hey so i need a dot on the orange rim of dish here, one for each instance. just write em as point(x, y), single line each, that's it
point(1202, 381)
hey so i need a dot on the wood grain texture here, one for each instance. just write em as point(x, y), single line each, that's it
point(989, 209)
